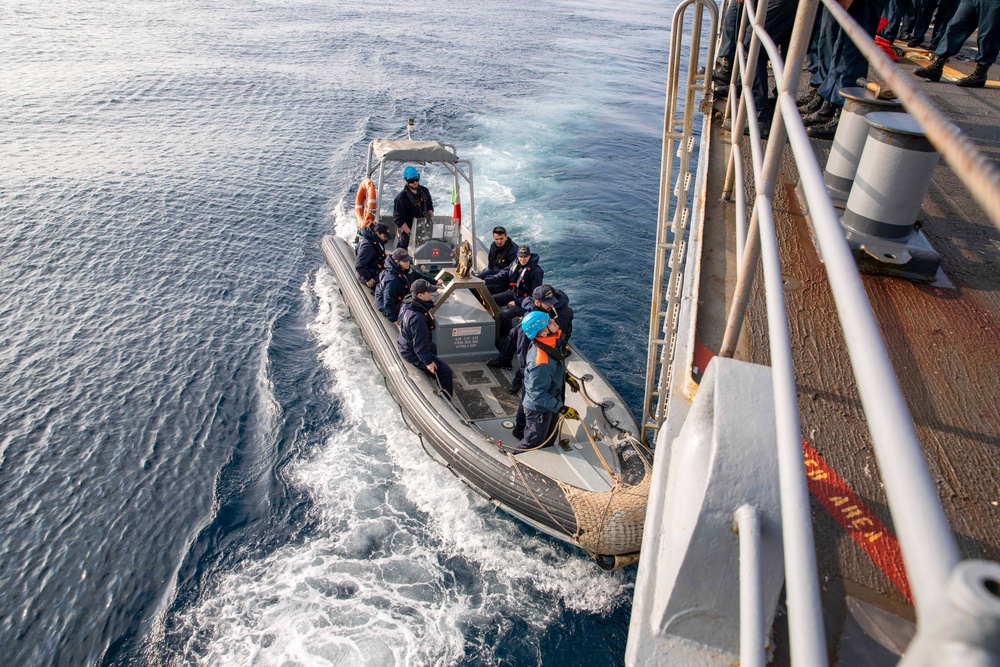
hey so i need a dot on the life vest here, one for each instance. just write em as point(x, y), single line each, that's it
point(545, 346)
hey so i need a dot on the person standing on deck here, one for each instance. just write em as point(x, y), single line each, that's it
point(544, 380)
point(369, 256)
point(503, 253)
point(843, 64)
point(414, 201)
point(970, 15)
point(415, 342)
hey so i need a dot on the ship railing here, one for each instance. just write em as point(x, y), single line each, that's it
point(956, 602)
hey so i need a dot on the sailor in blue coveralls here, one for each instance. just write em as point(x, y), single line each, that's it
point(544, 379)
point(415, 343)
point(414, 201)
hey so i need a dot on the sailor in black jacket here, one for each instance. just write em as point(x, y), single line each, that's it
point(395, 283)
point(415, 342)
point(503, 253)
point(414, 201)
point(549, 300)
point(521, 279)
point(369, 256)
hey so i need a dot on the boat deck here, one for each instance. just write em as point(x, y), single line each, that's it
point(944, 343)
point(483, 394)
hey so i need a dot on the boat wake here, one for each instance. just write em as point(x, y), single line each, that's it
point(405, 564)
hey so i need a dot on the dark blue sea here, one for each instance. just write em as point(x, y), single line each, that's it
point(199, 462)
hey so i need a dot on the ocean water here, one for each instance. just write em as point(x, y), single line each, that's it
point(199, 463)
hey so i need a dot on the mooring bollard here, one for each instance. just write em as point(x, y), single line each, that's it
point(893, 175)
point(852, 131)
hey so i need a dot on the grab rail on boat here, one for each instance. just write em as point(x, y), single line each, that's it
point(957, 602)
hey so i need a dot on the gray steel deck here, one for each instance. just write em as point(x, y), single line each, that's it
point(944, 342)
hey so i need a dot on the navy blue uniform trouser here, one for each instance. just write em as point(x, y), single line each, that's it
point(778, 24)
point(984, 14)
point(444, 375)
point(895, 12)
point(945, 12)
point(537, 426)
point(509, 313)
point(848, 64)
point(730, 30)
point(498, 286)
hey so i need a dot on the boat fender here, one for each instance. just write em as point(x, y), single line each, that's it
point(365, 203)
point(631, 463)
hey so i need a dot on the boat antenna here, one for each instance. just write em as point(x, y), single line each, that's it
point(409, 127)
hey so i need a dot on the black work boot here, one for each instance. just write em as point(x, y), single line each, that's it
point(825, 130)
point(825, 112)
point(812, 105)
point(723, 70)
point(807, 97)
point(933, 71)
point(975, 80)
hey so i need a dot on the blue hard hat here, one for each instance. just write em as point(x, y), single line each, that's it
point(410, 173)
point(534, 322)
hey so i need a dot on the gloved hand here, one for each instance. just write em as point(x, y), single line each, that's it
point(572, 382)
point(569, 412)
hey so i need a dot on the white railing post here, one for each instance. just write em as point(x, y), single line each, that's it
point(753, 634)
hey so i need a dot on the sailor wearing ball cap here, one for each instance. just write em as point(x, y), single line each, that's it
point(520, 279)
point(369, 256)
point(415, 342)
point(395, 283)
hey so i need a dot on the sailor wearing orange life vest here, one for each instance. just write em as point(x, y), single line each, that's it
point(543, 381)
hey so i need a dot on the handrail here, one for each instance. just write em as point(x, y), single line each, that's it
point(752, 630)
point(929, 549)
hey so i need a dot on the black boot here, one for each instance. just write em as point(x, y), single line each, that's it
point(825, 112)
point(933, 71)
point(915, 42)
point(723, 70)
point(825, 130)
point(807, 97)
point(975, 80)
point(812, 105)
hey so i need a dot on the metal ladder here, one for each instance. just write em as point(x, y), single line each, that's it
point(678, 135)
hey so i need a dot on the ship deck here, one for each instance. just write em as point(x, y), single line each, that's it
point(944, 343)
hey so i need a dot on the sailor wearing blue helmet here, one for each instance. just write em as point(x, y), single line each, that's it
point(413, 202)
point(543, 382)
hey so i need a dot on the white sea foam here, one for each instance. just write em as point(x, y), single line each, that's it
point(405, 561)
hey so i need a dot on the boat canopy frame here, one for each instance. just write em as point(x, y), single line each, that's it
point(387, 156)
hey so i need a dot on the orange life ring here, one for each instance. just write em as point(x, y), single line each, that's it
point(365, 203)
